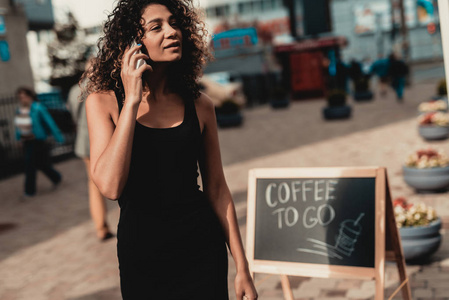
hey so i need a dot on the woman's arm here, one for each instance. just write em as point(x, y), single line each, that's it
point(110, 143)
point(217, 191)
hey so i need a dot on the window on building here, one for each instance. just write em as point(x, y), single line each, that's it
point(256, 6)
point(276, 3)
point(267, 5)
point(210, 11)
point(222, 10)
point(245, 7)
point(240, 7)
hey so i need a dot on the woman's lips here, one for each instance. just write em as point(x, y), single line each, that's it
point(174, 45)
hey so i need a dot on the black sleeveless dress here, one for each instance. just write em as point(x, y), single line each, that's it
point(170, 243)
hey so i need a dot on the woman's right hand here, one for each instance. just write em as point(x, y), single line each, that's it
point(132, 77)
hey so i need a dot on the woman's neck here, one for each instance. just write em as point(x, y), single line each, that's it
point(156, 83)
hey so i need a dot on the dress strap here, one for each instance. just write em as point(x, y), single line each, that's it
point(192, 115)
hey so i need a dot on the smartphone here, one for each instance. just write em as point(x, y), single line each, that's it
point(141, 61)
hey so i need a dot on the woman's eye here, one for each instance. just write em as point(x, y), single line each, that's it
point(174, 24)
point(156, 27)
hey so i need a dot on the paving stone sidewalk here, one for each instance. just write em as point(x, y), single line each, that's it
point(48, 248)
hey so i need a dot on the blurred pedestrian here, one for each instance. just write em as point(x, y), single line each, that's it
point(32, 122)
point(97, 203)
point(380, 68)
point(150, 128)
point(398, 70)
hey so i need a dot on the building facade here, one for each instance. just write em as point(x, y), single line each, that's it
point(367, 24)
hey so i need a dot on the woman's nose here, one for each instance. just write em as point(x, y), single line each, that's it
point(170, 32)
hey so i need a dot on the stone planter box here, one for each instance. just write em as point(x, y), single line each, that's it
point(421, 241)
point(427, 180)
point(337, 112)
point(430, 132)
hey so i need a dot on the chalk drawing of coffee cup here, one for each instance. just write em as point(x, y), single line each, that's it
point(348, 234)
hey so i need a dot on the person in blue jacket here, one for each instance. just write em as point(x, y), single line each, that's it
point(33, 122)
point(381, 68)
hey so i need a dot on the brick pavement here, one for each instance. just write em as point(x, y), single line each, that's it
point(50, 250)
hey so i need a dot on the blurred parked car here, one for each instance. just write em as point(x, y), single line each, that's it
point(222, 86)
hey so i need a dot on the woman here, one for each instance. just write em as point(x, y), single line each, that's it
point(149, 128)
point(32, 122)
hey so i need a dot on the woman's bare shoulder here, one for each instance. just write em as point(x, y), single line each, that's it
point(204, 105)
point(103, 104)
point(105, 98)
point(205, 110)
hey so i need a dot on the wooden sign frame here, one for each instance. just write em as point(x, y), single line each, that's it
point(384, 216)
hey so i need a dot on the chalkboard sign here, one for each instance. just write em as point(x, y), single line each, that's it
point(323, 222)
point(316, 220)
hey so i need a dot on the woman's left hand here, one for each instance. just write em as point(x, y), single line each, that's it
point(244, 286)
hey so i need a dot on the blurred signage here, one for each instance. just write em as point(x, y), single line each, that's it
point(2, 26)
point(4, 51)
point(235, 38)
point(425, 10)
point(376, 15)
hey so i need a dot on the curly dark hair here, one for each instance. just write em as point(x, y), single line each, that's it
point(124, 25)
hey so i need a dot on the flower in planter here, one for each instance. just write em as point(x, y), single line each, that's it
point(427, 158)
point(419, 229)
point(433, 105)
point(408, 215)
point(434, 118)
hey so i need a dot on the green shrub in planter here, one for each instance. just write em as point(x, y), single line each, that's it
point(442, 89)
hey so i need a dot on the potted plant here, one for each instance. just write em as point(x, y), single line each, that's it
point(442, 88)
point(432, 106)
point(336, 106)
point(279, 97)
point(441, 91)
point(427, 170)
point(419, 228)
point(361, 89)
point(434, 125)
point(229, 114)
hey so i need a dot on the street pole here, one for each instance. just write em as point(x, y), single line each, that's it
point(404, 33)
point(290, 4)
point(443, 8)
point(378, 35)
